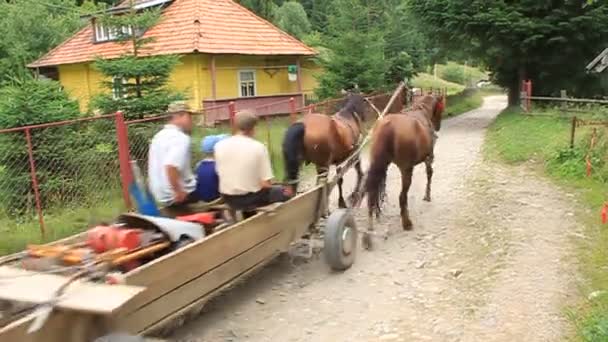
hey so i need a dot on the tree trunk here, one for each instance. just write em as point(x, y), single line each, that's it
point(514, 94)
point(515, 87)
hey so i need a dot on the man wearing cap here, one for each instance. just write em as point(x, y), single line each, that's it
point(244, 169)
point(169, 168)
point(207, 180)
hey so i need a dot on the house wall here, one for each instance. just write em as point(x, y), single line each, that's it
point(193, 77)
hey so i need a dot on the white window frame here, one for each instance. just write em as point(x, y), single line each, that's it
point(115, 93)
point(104, 34)
point(255, 83)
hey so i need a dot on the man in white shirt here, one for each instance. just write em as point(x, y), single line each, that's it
point(244, 170)
point(171, 180)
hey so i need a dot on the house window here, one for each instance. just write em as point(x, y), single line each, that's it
point(103, 33)
point(118, 88)
point(246, 83)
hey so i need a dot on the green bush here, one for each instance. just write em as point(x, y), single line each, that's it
point(453, 73)
point(75, 163)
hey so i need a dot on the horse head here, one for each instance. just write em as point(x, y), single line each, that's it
point(433, 106)
point(438, 109)
point(355, 105)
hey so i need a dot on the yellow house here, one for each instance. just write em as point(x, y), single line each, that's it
point(228, 54)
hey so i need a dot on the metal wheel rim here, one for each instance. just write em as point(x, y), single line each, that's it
point(347, 240)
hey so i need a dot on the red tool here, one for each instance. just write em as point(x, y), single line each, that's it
point(605, 213)
point(202, 218)
point(104, 238)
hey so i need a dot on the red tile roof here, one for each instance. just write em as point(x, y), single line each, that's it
point(187, 26)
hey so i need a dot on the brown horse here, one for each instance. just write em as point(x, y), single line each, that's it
point(405, 139)
point(328, 140)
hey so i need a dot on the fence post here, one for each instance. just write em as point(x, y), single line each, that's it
point(232, 112)
point(30, 153)
point(124, 159)
point(529, 94)
point(573, 131)
point(292, 110)
point(563, 94)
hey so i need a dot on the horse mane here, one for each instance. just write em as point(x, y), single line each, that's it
point(350, 106)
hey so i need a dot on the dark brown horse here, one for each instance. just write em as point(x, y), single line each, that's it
point(328, 140)
point(406, 139)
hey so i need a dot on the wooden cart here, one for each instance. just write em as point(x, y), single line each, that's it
point(163, 290)
point(168, 288)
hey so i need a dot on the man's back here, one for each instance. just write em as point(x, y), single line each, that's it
point(242, 164)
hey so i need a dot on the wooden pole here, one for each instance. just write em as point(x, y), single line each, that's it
point(564, 95)
point(30, 153)
point(232, 113)
point(126, 176)
point(213, 70)
point(573, 131)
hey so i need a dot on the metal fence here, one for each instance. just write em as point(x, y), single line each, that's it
point(61, 175)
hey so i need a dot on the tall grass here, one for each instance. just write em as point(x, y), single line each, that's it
point(544, 141)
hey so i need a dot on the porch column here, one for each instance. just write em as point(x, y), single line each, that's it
point(213, 78)
point(299, 65)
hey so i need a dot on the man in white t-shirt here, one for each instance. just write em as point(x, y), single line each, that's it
point(244, 170)
point(171, 180)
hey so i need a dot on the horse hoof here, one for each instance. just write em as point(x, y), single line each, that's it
point(408, 226)
point(427, 198)
point(342, 204)
point(367, 241)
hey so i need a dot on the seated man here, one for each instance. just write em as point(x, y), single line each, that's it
point(244, 169)
point(207, 180)
point(171, 181)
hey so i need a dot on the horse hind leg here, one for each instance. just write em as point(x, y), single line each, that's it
point(341, 201)
point(406, 182)
point(367, 236)
point(429, 176)
point(355, 197)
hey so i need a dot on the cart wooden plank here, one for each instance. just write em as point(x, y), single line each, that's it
point(169, 272)
point(200, 287)
point(25, 286)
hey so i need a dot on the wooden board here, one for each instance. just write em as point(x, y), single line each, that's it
point(188, 276)
point(204, 285)
point(25, 286)
point(172, 271)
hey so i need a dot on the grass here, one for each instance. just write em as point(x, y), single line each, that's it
point(424, 80)
point(544, 142)
point(17, 234)
point(471, 74)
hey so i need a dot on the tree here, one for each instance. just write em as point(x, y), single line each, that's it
point(548, 42)
point(356, 51)
point(24, 102)
point(31, 28)
point(263, 8)
point(137, 83)
point(407, 50)
point(291, 18)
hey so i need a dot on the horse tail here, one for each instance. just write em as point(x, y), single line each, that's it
point(293, 148)
point(382, 153)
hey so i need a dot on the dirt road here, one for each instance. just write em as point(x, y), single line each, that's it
point(488, 260)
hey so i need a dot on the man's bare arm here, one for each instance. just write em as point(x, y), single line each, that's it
point(173, 175)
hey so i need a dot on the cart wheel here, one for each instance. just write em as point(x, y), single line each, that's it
point(340, 240)
point(120, 337)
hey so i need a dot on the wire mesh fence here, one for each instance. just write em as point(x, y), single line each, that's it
point(56, 179)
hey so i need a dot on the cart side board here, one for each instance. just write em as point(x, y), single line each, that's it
point(188, 276)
